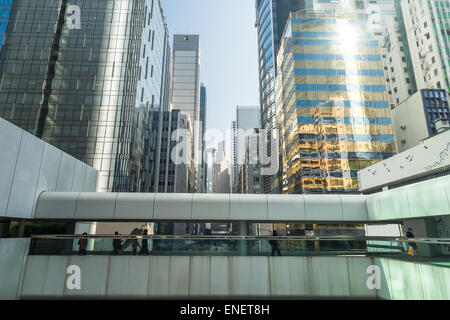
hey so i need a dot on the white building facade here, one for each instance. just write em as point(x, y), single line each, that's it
point(426, 25)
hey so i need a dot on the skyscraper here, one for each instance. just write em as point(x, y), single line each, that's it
point(247, 119)
point(249, 181)
point(203, 167)
point(185, 95)
point(271, 17)
point(164, 175)
point(426, 24)
point(234, 154)
point(383, 23)
point(220, 170)
point(5, 9)
point(80, 88)
point(332, 103)
point(398, 67)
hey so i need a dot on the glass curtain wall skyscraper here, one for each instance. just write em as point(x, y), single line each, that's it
point(79, 88)
point(5, 8)
point(186, 91)
point(271, 17)
point(332, 103)
point(152, 95)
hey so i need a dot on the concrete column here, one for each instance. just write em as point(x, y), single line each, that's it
point(243, 231)
point(80, 228)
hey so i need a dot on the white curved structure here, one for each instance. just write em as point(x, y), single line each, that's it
point(29, 166)
point(200, 207)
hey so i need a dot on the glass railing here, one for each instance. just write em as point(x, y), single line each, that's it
point(422, 249)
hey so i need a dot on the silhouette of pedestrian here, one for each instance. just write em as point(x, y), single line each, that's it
point(117, 245)
point(134, 245)
point(275, 245)
point(82, 244)
point(144, 247)
point(413, 246)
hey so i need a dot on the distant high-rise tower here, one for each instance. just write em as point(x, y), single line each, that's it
point(234, 169)
point(186, 92)
point(247, 119)
point(203, 167)
point(220, 170)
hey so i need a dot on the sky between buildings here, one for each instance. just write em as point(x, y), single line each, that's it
point(229, 54)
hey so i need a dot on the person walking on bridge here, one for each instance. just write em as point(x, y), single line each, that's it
point(412, 245)
point(144, 247)
point(275, 245)
point(117, 246)
point(82, 244)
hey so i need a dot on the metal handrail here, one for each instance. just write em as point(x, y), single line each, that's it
point(248, 238)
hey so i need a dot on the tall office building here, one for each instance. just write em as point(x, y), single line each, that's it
point(427, 28)
point(203, 108)
point(234, 167)
point(397, 61)
point(247, 119)
point(185, 95)
point(164, 175)
point(220, 170)
point(153, 167)
point(79, 87)
point(5, 9)
point(249, 179)
point(271, 17)
point(332, 104)
point(203, 166)
point(384, 24)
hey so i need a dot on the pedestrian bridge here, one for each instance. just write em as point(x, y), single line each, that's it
point(426, 199)
point(40, 271)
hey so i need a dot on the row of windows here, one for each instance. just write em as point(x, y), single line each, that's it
point(348, 137)
point(337, 87)
point(343, 103)
point(346, 155)
point(344, 120)
point(331, 57)
point(339, 72)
